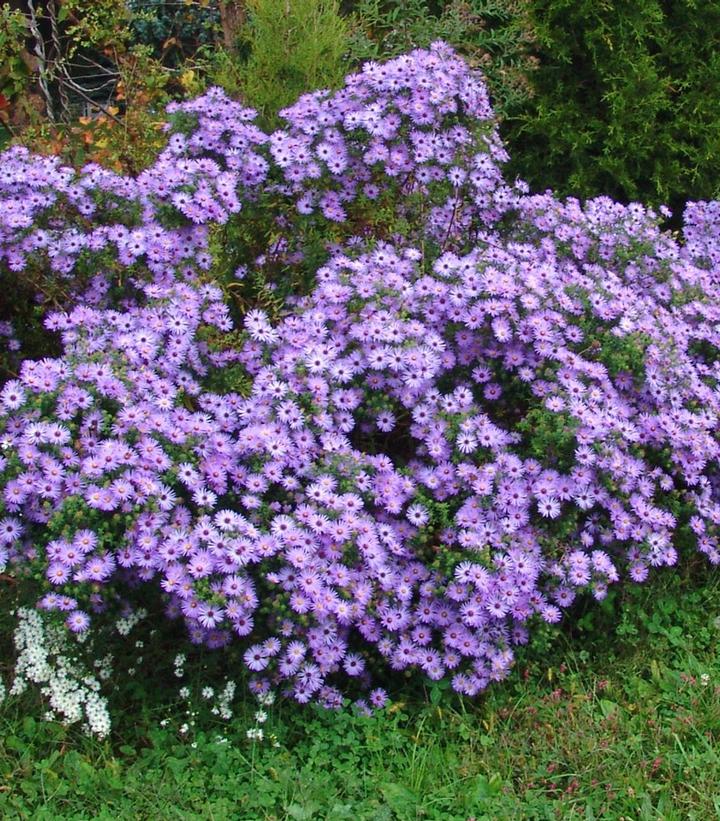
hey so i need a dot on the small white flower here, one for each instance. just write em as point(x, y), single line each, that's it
point(72, 692)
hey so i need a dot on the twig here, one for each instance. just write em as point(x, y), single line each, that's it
point(55, 36)
point(79, 90)
point(43, 73)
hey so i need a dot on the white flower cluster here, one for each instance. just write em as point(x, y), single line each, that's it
point(219, 702)
point(125, 625)
point(225, 697)
point(104, 666)
point(257, 733)
point(266, 699)
point(44, 658)
point(184, 692)
point(179, 665)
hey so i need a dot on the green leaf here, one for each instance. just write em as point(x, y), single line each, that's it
point(400, 799)
point(486, 788)
point(300, 813)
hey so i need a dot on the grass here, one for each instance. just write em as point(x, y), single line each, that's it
point(619, 719)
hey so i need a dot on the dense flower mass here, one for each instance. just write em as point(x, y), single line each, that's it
point(461, 426)
point(70, 221)
point(421, 121)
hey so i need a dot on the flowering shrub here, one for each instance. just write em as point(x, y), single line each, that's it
point(458, 428)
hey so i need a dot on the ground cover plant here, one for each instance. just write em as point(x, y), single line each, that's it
point(477, 407)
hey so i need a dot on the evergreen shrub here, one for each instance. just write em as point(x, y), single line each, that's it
point(290, 47)
point(625, 101)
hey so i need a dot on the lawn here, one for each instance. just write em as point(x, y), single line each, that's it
point(618, 720)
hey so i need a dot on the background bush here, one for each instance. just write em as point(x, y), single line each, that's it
point(285, 49)
point(623, 101)
point(174, 30)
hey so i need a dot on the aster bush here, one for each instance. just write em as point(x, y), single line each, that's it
point(481, 404)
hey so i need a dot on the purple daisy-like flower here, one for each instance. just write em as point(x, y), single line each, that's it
point(78, 621)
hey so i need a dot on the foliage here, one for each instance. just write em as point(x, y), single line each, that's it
point(107, 92)
point(622, 103)
point(14, 71)
point(291, 48)
point(125, 135)
point(174, 31)
point(12, 33)
point(483, 407)
point(95, 25)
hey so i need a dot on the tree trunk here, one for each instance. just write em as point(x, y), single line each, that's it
point(232, 18)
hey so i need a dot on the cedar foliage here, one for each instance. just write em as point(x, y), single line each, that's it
point(625, 100)
point(292, 47)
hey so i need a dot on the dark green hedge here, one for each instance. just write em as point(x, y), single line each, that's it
point(627, 100)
